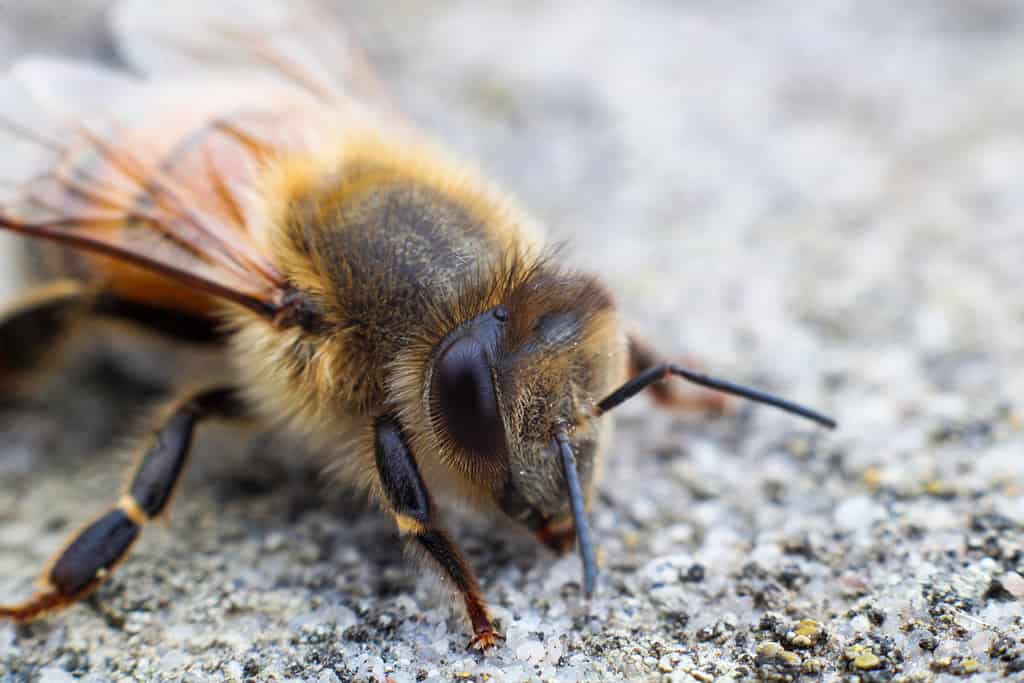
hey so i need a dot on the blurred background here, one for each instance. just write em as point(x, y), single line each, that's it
point(819, 197)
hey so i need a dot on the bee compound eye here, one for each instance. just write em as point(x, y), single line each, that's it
point(463, 396)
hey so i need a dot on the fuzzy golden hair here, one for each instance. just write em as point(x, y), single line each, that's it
point(324, 210)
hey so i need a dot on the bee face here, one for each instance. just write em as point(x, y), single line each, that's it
point(501, 381)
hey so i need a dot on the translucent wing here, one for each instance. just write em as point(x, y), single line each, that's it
point(162, 173)
point(299, 42)
point(160, 176)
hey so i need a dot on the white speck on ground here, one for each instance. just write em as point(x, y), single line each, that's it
point(821, 198)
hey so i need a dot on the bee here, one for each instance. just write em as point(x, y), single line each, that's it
point(257, 190)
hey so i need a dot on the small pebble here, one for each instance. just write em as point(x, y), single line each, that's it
point(789, 658)
point(805, 634)
point(233, 670)
point(970, 666)
point(866, 661)
point(812, 666)
point(940, 489)
point(52, 674)
point(531, 651)
point(800, 641)
point(1014, 584)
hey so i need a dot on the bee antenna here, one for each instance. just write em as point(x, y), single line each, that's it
point(666, 370)
point(579, 516)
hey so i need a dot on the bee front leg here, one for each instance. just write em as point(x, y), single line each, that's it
point(411, 506)
point(673, 395)
point(93, 552)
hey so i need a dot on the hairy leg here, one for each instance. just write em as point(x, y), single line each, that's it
point(94, 551)
point(410, 505)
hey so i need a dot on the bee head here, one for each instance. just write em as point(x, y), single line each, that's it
point(503, 384)
point(513, 397)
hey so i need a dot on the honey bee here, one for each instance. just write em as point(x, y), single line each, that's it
point(258, 190)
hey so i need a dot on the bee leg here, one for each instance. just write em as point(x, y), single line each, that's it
point(411, 506)
point(31, 331)
point(673, 395)
point(95, 550)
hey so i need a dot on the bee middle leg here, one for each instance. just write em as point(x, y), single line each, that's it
point(411, 506)
point(94, 551)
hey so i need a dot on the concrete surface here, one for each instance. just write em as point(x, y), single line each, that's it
point(819, 197)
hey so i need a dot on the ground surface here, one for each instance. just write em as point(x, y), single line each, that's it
point(821, 198)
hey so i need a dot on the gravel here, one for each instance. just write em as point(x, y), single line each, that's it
point(820, 198)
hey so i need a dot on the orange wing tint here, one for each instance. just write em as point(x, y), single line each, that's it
point(168, 198)
point(160, 193)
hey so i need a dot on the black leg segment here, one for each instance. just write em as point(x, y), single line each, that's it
point(95, 550)
point(399, 475)
point(154, 480)
point(158, 472)
point(410, 504)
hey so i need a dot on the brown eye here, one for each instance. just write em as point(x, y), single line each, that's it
point(463, 395)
